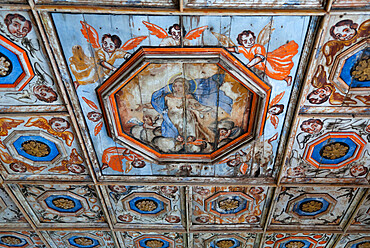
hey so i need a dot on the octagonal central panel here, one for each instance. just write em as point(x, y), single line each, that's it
point(183, 104)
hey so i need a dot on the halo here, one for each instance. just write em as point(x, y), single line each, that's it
point(196, 85)
point(171, 80)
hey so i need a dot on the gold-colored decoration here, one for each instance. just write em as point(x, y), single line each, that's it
point(295, 244)
point(228, 204)
point(361, 71)
point(83, 241)
point(224, 243)
point(311, 206)
point(146, 205)
point(64, 203)
point(36, 148)
point(364, 245)
point(4, 66)
point(334, 151)
point(154, 243)
point(11, 240)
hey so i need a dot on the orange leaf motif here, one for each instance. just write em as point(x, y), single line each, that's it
point(277, 98)
point(274, 121)
point(243, 168)
point(98, 128)
point(90, 103)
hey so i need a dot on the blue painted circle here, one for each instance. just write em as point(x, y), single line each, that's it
point(360, 243)
point(53, 148)
point(306, 243)
point(345, 74)
point(143, 242)
point(17, 69)
point(50, 199)
point(22, 243)
point(242, 205)
point(71, 241)
point(298, 210)
point(160, 205)
point(317, 156)
point(236, 243)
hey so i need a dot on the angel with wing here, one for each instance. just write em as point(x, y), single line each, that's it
point(105, 54)
point(175, 32)
point(345, 33)
point(276, 64)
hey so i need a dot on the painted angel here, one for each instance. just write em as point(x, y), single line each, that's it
point(7, 123)
point(106, 54)
point(56, 126)
point(174, 35)
point(276, 64)
point(345, 33)
point(113, 158)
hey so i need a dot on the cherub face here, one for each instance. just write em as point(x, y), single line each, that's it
point(19, 28)
point(169, 189)
point(248, 40)
point(312, 128)
point(318, 96)
point(176, 33)
point(118, 188)
point(344, 32)
point(234, 162)
point(138, 163)
point(45, 93)
point(94, 116)
point(18, 167)
point(297, 171)
point(358, 170)
point(108, 45)
point(251, 219)
point(59, 126)
point(75, 168)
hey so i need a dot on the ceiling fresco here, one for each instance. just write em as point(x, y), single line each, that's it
point(185, 124)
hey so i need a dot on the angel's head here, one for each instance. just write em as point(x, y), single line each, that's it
point(59, 124)
point(312, 126)
point(320, 95)
point(344, 30)
point(45, 93)
point(175, 31)
point(246, 38)
point(17, 25)
point(276, 109)
point(110, 42)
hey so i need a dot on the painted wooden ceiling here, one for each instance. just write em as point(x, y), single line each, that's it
point(191, 123)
